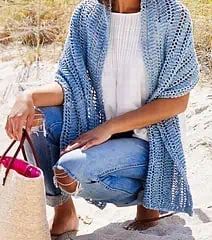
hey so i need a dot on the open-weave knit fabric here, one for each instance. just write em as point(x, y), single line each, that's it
point(170, 59)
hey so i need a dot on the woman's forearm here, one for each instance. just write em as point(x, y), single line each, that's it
point(149, 114)
point(46, 95)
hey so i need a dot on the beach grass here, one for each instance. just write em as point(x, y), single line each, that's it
point(45, 22)
point(201, 13)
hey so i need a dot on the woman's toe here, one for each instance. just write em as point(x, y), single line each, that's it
point(140, 226)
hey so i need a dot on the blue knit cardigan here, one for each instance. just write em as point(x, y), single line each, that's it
point(171, 63)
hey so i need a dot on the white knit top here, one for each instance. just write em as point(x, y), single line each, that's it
point(124, 78)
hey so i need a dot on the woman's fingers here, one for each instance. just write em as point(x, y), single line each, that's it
point(19, 125)
point(78, 143)
point(18, 117)
point(18, 122)
point(15, 124)
point(8, 128)
point(71, 147)
point(90, 144)
point(29, 123)
point(89, 139)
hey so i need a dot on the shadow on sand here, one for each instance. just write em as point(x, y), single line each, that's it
point(172, 228)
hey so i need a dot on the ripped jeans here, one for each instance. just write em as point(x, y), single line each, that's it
point(112, 172)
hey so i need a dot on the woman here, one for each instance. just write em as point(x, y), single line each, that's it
point(121, 88)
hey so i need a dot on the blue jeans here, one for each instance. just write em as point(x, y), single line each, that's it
point(112, 172)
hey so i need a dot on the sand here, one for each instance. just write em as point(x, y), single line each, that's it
point(108, 224)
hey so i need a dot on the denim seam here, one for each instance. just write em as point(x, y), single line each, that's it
point(113, 189)
point(53, 125)
point(123, 167)
point(111, 171)
point(49, 136)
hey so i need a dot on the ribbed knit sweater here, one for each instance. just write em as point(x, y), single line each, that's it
point(124, 78)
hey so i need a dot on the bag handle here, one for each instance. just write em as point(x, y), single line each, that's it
point(25, 136)
point(32, 148)
point(8, 149)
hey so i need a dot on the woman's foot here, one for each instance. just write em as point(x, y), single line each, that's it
point(65, 219)
point(142, 215)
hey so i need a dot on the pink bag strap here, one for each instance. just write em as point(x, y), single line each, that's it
point(25, 136)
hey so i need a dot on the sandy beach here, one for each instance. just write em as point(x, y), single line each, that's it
point(108, 224)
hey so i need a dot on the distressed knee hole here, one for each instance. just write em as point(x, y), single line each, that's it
point(65, 182)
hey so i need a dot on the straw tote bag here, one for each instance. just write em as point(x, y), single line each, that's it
point(22, 197)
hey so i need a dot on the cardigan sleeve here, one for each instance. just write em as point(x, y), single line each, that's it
point(180, 66)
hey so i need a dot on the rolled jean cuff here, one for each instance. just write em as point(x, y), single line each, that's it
point(54, 201)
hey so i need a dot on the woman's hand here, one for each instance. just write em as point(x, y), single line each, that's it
point(91, 138)
point(21, 115)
